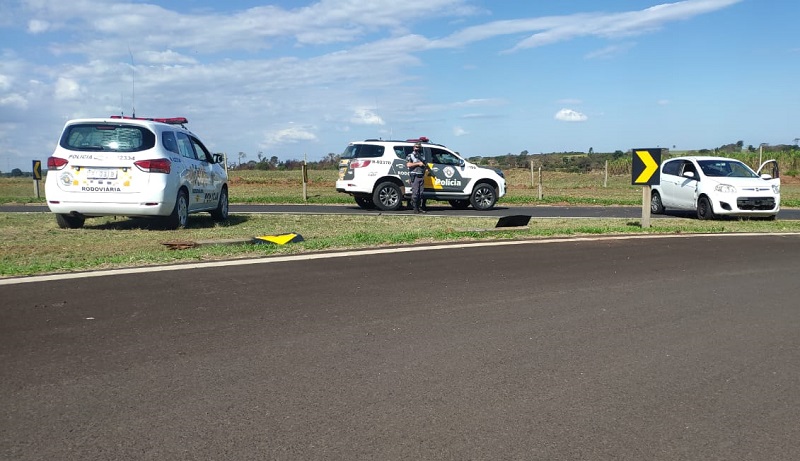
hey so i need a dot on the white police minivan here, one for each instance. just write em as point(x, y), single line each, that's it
point(138, 167)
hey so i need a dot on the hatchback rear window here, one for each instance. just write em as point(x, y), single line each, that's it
point(107, 137)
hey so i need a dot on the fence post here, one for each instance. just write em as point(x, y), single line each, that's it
point(532, 181)
point(540, 183)
point(605, 180)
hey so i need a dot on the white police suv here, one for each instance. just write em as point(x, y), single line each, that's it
point(126, 166)
point(374, 172)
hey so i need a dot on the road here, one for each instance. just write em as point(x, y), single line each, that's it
point(656, 348)
point(441, 208)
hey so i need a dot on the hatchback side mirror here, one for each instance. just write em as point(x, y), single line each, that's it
point(218, 158)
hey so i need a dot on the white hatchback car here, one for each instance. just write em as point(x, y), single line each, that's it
point(124, 166)
point(717, 186)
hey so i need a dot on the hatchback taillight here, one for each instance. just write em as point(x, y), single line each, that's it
point(359, 163)
point(158, 165)
point(56, 163)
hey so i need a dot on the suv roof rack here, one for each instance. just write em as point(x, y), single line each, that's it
point(169, 120)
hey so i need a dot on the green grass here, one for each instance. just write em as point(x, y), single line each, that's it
point(31, 243)
point(285, 187)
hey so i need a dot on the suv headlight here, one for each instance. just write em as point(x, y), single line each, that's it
point(725, 189)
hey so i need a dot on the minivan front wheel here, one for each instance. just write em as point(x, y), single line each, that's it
point(221, 212)
point(387, 196)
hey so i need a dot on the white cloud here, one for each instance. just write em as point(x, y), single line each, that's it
point(66, 89)
point(366, 117)
point(569, 115)
point(458, 131)
point(14, 100)
point(5, 82)
point(36, 26)
point(555, 29)
point(610, 51)
point(288, 135)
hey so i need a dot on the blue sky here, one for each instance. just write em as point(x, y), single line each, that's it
point(293, 79)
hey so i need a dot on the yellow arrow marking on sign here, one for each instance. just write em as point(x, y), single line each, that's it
point(650, 166)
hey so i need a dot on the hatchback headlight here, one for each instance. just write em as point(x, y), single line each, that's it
point(776, 188)
point(725, 189)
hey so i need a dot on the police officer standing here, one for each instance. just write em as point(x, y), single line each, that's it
point(415, 161)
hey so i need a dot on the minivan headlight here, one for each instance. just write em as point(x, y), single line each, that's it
point(725, 189)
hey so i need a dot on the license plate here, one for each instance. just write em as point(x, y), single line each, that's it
point(101, 174)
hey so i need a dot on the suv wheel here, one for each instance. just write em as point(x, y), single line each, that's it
point(387, 196)
point(68, 221)
point(459, 204)
point(483, 197)
point(365, 202)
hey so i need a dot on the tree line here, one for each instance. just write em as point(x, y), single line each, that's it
point(618, 162)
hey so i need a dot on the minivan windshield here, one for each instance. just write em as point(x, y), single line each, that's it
point(103, 137)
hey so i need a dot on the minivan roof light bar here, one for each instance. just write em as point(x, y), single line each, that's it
point(168, 120)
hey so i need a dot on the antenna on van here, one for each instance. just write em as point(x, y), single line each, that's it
point(133, 84)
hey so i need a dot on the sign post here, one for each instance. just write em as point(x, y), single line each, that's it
point(37, 176)
point(645, 172)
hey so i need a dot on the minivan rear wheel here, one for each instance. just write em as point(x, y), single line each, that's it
point(179, 217)
point(68, 221)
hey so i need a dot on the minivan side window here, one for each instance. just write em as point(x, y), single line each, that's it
point(169, 142)
point(200, 150)
point(185, 146)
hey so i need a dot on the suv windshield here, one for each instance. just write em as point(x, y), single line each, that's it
point(107, 137)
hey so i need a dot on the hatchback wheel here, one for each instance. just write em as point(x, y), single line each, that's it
point(704, 209)
point(656, 206)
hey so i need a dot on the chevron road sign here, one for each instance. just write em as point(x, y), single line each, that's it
point(644, 168)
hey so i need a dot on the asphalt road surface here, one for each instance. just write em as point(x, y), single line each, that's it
point(441, 208)
point(659, 348)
